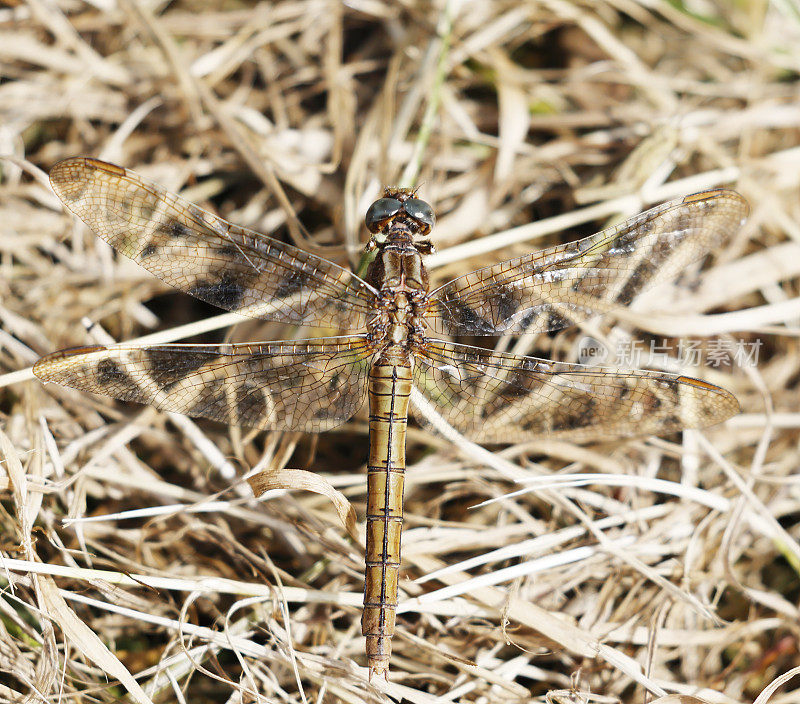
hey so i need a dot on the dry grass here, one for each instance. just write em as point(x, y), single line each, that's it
point(625, 570)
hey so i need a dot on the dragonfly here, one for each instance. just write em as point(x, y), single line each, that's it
point(390, 320)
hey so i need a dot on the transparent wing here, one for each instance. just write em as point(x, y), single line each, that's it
point(495, 397)
point(191, 249)
point(557, 287)
point(310, 385)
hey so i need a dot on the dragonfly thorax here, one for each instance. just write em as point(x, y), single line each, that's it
point(401, 280)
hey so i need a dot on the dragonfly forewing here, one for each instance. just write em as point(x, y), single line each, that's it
point(563, 285)
point(189, 248)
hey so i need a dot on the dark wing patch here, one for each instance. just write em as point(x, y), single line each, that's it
point(227, 292)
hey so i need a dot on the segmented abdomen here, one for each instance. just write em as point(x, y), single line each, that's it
point(389, 390)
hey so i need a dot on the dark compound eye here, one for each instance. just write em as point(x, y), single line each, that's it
point(380, 211)
point(421, 212)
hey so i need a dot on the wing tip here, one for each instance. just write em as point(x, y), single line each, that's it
point(67, 180)
point(45, 368)
point(722, 194)
point(726, 404)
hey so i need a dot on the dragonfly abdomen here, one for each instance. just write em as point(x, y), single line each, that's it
point(389, 391)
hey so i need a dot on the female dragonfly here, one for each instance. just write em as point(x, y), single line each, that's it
point(316, 384)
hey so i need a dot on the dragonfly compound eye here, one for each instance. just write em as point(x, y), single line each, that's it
point(421, 212)
point(380, 211)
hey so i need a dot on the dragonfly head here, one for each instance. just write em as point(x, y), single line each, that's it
point(400, 206)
